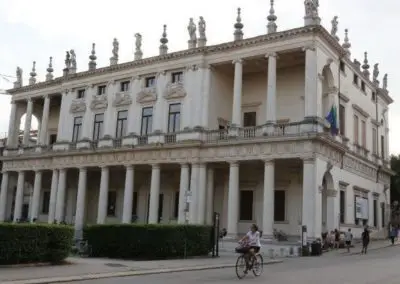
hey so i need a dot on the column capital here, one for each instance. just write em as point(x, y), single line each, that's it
point(4, 172)
point(13, 102)
point(238, 60)
point(268, 162)
point(103, 167)
point(46, 96)
point(234, 164)
point(129, 167)
point(155, 166)
point(202, 165)
point(29, 100)
point(38, 171)
point(309, 160)
point(272, 54)
point(309, 47)
point(82, 169)
point(184, 165)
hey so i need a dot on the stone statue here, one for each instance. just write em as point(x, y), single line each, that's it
point(19, 75)
point(192, 30)
point(384, 81)
point(311, 7)
point(138, 42)
point(375, 73)
point(202, 28)
point(334, 26)
point(115, 48)
point(73, 59)
point(67, 60)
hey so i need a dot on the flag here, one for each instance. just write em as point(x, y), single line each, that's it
point(332, 119)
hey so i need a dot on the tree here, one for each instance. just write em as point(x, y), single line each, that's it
point(395, 187)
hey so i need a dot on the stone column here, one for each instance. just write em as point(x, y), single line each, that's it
point(271, 89)
point(53, 197)
point(19, 196)
point(128, 194)
point(201, 196)
point(312, 201)
point(103, 195)
point(183, 188)
point(233, 199)
point(154, 194)
point(36, 195)
point(62, 135)
point(210, 196)
point(269, 201)
point(45, 121)
point(311, 77)
point(194, 183)
point(80, 203)
point(60, 207)
point(3, 196)
point(206, 95)
point(28, 120)
point(237, 93)
point(11, 126)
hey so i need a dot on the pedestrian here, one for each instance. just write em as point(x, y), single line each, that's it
point(348, 237)
point(365, 240)
point(337, 238)
point(393, 234)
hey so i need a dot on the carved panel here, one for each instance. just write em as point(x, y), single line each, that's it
point(175, 91)
point(78, 105)
point(122, 99)
point(99, 102)
point(147, 95)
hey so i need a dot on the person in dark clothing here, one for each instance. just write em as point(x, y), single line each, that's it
point(365, 240)
point(393, 234)
point(337, 238)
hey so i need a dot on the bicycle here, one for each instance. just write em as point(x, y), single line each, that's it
point(256, 265)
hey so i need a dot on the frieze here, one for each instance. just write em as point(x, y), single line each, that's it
point(99, 102)
point(78, 105)
point(147, 95)
point(122, 99)
point(175, 91)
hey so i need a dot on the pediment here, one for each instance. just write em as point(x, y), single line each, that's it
point(147, 95)
point(99, 102)
point(175, 91)
point(122, 99)
point(77, 106)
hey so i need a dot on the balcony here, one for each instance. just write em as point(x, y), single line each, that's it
point(262, 133)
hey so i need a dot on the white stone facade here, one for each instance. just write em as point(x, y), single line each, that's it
point(238, 128)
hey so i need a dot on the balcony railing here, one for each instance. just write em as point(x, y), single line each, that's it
point(299, 129)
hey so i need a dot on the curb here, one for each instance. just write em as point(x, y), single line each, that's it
point(373, 249)
point(125, 274)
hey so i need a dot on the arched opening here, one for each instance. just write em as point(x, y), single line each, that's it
point(327, 184)
point(328, 87)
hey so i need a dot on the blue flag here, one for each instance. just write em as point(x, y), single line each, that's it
point(332, 119)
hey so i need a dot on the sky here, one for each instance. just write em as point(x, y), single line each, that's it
point(35, 30)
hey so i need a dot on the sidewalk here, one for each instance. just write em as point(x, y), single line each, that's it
point(374, 245)
point(85, 268)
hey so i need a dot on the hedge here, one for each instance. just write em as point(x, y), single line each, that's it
point(34, 243)
point(145, 241)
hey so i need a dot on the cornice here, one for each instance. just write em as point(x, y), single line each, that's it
point(360, 110)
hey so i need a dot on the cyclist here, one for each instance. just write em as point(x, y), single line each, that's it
point(253, 245)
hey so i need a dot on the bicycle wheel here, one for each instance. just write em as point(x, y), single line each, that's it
point(258, 265)
point(240, 267)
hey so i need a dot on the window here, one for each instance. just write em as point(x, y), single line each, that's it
point(342, 120)
point(363, 86)
point(356, 130)
point(342, 66)
point(375, 213)
point(53, 139)
point(246, 205)
point(177, 77)
point(150, 81)
point(383, 214)
point(147, 121)
point(125, 86)
point(176, 205)
point(249, 119)
point(112, 202)
point(279, 206)
point(374, 141)
point(364, 134)
point(98, 126)
point(342, 206)
point(101, 90)
point(77, 129)
point(373, 96)
point(122, 118)
point(383, 146)
point(81, 94)
point(355, 79)
point(174, 118)
point(46, 202)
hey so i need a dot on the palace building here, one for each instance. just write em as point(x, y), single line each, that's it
point(283, 129)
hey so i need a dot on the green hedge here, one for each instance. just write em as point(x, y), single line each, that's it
point(134, 241)
point(34, 243)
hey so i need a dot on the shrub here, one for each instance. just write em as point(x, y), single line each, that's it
point(34, 243)
point(134, 241)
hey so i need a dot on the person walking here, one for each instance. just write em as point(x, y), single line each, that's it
point(348, 237)
point(393, 234)
point(365, 240)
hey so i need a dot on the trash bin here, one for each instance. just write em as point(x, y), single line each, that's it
point(316, 248)
point(305, 250)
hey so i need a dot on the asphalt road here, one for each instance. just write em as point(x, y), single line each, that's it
point(380, 266)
